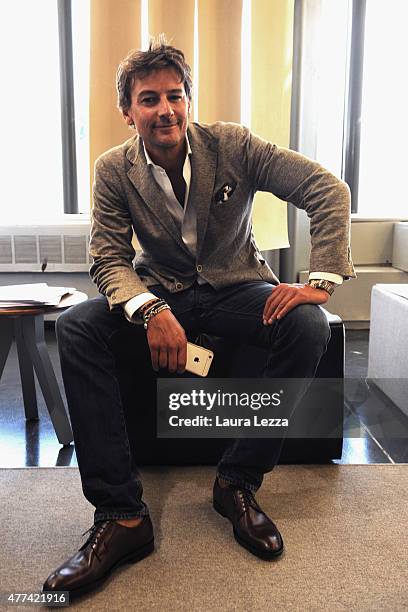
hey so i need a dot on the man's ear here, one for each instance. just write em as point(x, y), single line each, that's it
point(127, 118)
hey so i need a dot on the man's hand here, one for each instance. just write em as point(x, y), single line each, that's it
point(167, 341)
point(285, 297)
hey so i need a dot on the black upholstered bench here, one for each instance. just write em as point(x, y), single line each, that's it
point(137, 383)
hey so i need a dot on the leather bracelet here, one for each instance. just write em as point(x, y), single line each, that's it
point(146, 314)
point(147, 305)
point(145, 311)
point(153, 312)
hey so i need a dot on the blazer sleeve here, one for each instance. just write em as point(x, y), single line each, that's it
point(295, 178)
point(111, 238)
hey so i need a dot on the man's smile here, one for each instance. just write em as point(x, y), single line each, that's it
point(165, 127)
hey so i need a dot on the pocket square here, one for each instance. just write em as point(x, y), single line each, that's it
point(224, 193)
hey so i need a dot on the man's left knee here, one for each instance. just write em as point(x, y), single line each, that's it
point(310, 324)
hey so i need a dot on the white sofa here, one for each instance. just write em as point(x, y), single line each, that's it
point(388, 342)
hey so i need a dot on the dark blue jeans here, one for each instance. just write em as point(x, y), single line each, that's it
point(296, 344)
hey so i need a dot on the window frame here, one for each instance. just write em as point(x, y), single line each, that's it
point(69, 163)
point(353, 102)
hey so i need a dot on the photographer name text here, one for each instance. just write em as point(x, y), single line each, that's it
point(217, 421)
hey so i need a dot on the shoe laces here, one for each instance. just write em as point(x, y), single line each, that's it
point(247, 498)
point(95, 533)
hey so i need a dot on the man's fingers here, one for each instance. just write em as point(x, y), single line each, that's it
point(172, 359)
point(163, 359)
point(177, 358)
point(285, 297)
point(280, 308)
point(273, 299)
point(277, 301)
point(154, 353)
point(182, 358)
point(290, 305)
point(270, 306)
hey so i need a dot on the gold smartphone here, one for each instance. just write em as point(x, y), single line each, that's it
point(199, 359)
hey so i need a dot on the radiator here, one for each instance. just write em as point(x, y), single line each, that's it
point(59, 246)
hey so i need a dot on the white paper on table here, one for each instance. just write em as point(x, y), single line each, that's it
point(34, 294)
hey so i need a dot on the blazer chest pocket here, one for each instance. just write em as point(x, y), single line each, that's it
point(224, 195)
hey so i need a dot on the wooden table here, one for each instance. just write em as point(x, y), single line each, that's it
point(26, 327)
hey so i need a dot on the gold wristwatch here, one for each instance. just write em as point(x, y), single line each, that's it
point(319, 283)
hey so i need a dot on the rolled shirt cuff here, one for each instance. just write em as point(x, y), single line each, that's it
point(132, 305)
point(333, 278)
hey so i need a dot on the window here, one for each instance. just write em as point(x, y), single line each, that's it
point(30, 109)
point(352, 96)
point(384, 118)
point(30, 122)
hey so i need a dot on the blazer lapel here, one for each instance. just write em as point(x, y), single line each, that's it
point(144, 183)
point(203, 169)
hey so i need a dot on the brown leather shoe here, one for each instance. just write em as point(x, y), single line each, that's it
point(108, 546)
point(253, 529)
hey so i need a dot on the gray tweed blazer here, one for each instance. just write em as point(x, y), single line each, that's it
point(126, 198)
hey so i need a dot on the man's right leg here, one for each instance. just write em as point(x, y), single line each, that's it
point(95, 408)
point(101, 442)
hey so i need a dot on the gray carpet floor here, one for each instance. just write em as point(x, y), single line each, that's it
point(344, 527)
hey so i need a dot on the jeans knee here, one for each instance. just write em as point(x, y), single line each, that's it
point(310, 326)
point(75, 319)
point(66, 325)
point(318, 326)
point(62, 324)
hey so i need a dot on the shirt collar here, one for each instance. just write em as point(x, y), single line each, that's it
point(151, 163)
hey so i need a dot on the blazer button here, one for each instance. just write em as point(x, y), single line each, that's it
point(199, 268)
point(179, 285)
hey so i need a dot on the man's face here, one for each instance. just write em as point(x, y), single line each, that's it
point(160, 110)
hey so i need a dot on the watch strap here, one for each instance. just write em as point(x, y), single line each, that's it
point(320, 283)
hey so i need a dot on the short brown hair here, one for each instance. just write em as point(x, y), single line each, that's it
point(139, 64)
